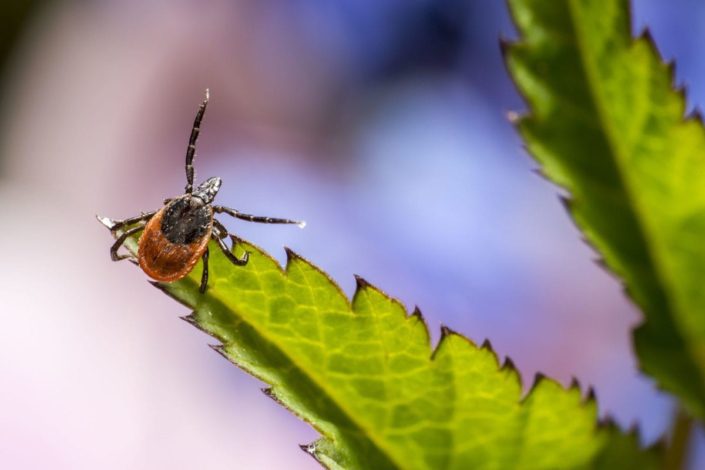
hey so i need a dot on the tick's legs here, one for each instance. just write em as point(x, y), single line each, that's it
point(118, 243)
point(218, 234)
point(132, 220)
point(204, 276)
point(191, 151)
point(220, 230)
point(256, 218)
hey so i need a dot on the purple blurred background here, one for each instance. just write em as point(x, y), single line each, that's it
point(380, 122)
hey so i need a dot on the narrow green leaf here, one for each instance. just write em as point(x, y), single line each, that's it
point(607, 125)
point(363, 373)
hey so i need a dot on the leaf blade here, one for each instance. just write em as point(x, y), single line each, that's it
point(607, 125)
point(392, 402)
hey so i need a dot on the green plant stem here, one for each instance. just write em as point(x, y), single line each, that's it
point(677, 452)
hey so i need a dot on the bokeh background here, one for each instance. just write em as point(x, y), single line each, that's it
point(380, 122)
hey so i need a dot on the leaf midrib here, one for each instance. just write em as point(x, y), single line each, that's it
point(371, 435)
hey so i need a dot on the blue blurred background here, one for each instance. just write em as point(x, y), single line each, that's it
point(380, 122)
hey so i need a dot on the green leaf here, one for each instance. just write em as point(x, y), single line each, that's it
point(363, 374)
point(623, 452)
point(607, 125)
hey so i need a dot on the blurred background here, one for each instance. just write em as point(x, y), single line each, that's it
point(380, 122)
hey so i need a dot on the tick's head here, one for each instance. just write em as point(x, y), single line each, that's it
point(207, 190)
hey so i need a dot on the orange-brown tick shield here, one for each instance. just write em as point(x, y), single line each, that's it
point(168, 260)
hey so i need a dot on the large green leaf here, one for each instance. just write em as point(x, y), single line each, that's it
point(607, 125)
point(363, 373)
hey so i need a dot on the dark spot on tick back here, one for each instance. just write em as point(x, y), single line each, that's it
point(185, 220)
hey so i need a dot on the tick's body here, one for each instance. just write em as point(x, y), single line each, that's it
point(176, 236)
point(175, 239)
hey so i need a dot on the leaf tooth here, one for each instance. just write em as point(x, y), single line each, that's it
point(191, 320)
point(680, 90)
point(509, 368)
point(538, 378)
point(607, 423)
point(504, 45)
point(602, 264)
point(646, 35)
point(541, 173)
point(567, 202)
point(422, 321)
point(220, 349)
point(574, 383)
point(509, 365)
point(445, 332)
point(591, 397)
point(696, 115)
point(417, 313)
point(487, 346)
point(361, 283)
point(290, 256)
point(362, 286)
point(269, 392)
point(308, 448)
point(312, 450)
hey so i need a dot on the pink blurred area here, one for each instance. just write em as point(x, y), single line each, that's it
point(406, 171)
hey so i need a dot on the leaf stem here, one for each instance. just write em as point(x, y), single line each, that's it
point(677, 452)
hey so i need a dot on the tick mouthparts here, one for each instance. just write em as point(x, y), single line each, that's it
point(301, 224)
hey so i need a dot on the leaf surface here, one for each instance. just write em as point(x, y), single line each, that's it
point(363, 373)
point(607, 125)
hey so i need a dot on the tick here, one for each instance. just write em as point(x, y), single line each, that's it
point(176, 236)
